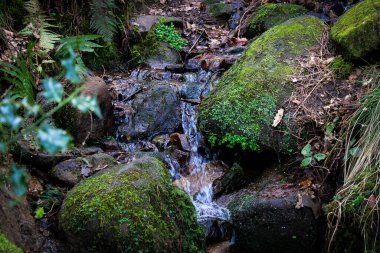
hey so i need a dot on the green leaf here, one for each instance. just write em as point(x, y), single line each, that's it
point(53, 140)
point(330, 129)
point(306, 151)
point(319, 157)
point(31, 110)
point(69, 65)
point(86, 103)
point(7, 115)
point(306, 162)
point(19, 180)
point(39, 213)
point(53, 90)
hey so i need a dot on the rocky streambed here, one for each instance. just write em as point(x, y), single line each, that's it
point(199, 152)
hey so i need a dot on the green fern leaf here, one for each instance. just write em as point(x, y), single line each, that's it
point(103, 20)
point(81, 43)
point(21, 78)
point(39, 26)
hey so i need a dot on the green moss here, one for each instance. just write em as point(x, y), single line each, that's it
point(7, 247)
point(132, 208)
point(340, 67)
point(148, 47)
point(269, 15)
point(241, 109)
point(357, 31)
point(219, 9)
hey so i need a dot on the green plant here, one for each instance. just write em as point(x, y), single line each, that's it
point(21, 78)
point(15, 118)
point(38, 26)
point(340, 67)
point(309, 157)
point(169, 34)
point(103, 19)
point(7, 247)
point(359, 196)
point(79, 44)
point(39, 213)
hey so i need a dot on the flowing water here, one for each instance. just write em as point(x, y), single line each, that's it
point(204, 168)
point(203, 199)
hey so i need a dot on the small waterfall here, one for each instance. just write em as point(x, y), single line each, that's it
point(198, 181)
point(203, 199)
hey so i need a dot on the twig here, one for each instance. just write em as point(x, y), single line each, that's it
point(196, 42)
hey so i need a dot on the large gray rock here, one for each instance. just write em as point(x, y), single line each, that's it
point(164, 56)
point(72, 171)
point(145, 22)
point(268, 216)
point(156, 111)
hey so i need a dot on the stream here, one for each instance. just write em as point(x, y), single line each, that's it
point(196, 177)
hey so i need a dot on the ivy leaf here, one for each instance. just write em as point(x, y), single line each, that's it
point(31, 110)
point(319, 157)
point(306, 151)
point(53, 140)
point(53, 90)
point(19, 180)
point(7, 115)
point(306, 162)
point(86, 103)
point(39, 213)
point(69, 65)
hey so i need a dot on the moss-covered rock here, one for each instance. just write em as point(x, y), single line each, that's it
point(241, 109)
point(358, 31)
point(7, 247)
point(131, 208)
point(269, 15)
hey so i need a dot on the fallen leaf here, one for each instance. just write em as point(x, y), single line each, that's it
point(278, 117)
point(371, 201)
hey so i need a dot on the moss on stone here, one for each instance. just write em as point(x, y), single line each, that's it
point(358, 31)
point(340, 67)
point(241, 109)
point(269, 15)
point(7, 247)
point(132, 208)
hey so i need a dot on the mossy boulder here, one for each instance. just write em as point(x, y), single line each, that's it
point(131, 208)
point(7, 247)
point(241, 109)
point(357, 32)
point(269, 15)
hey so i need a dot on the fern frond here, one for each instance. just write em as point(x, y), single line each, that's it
point(21, 78)
point(103, 20)
point(80, 43)
point(39, 26)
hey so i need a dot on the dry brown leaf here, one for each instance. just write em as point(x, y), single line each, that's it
point(278, 117)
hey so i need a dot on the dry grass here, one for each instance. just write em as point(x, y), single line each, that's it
point(357, 201)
